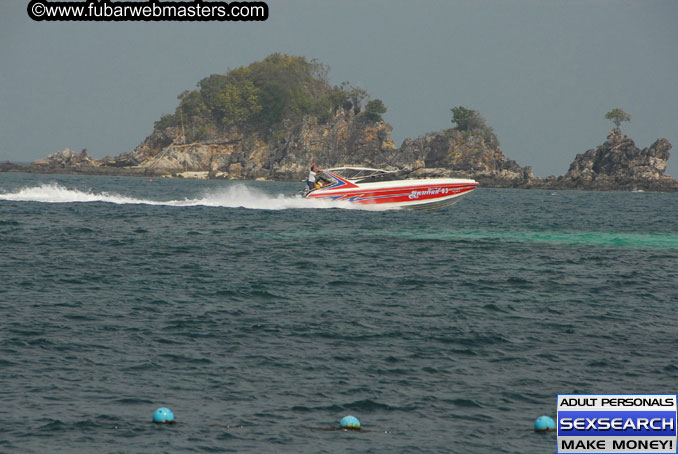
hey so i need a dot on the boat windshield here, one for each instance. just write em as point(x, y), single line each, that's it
point(326, 177)
point(360, 174)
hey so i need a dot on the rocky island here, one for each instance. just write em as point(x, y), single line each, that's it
point(272, 119)
point(617, 164)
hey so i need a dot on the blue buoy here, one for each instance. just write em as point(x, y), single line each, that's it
point(544, 424)
point(163, 415)
point(349, 422)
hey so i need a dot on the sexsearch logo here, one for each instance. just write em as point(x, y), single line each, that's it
point(606, 423)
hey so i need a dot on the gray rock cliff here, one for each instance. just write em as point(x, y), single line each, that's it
point(617, 164)
point(456, 154)
point(346, 139)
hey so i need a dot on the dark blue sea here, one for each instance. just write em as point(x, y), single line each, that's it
point(261, 319)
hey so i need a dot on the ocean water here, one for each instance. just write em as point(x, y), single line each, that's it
point(261, 319)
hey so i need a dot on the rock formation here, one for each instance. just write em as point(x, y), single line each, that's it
point(618, 164)
point(457, 154)
point(10, 167)
point(67, 159)
point(346, 139)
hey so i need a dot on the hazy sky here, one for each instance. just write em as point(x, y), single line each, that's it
point(542, 72)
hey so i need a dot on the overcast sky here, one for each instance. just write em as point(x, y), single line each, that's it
point(542, 72)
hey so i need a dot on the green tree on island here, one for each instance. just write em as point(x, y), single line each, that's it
point(373, 111)
point(617, 116)
point(263, 97)
point(351, 97)
point(462, 117)
point(471, 122)
point(467, 119)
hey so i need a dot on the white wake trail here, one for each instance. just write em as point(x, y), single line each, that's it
point(235, 196)
point(55, 193)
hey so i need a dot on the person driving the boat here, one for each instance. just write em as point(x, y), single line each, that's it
point(310, 181)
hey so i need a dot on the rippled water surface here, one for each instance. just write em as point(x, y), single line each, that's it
point(260, 318)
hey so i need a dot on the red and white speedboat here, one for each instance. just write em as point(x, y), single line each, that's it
point(384, 188)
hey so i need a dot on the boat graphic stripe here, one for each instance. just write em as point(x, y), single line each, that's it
point(396, 195)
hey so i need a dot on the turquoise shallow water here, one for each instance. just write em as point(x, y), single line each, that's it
point(258, 318)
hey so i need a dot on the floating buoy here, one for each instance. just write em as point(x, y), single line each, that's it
point(544, 424)
point(163, 415)
point(349, 423)
point(150, 180)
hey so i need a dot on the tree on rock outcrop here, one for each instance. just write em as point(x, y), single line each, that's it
point(617, 116)
point(350, 97)
point(467, 119)
point(373, 111)
point(470, 121)
point(462, 117)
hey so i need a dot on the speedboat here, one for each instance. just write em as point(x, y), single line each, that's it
point(386, 189)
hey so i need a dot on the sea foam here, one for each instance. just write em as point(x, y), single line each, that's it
point(235, 196)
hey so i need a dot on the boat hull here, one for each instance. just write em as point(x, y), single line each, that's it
point(405, 194)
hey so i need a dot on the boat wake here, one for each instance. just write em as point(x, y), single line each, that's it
point(235, 196)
